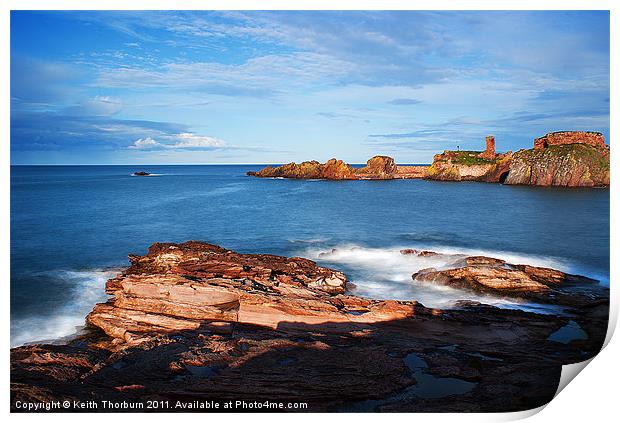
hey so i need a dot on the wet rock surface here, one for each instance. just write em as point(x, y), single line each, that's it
point(195, 321)
point(494, 276)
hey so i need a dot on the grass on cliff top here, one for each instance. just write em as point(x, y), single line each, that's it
point(592, 155)
point(469, 158)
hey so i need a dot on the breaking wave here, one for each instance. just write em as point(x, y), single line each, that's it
point(68, 319)
point(385, 273)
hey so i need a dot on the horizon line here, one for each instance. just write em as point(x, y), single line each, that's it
point(185, 164)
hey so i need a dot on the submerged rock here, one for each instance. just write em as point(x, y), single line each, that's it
point(423, 253)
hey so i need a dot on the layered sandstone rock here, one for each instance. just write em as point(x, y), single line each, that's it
point(568, 165)
point(568, 159)
point(196, 285)
point(469, 166)
point(193, 322)
point(494, 276)
point(377, 167)
point(332, 169)
point(412, 172)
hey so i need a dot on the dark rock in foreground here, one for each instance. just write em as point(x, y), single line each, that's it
point(194, 322)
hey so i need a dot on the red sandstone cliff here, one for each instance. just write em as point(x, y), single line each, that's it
point(567, 165)
point(469, 166)
point(568, 159)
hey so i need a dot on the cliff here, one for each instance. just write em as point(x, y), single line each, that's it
point(195, 321)
point(568, 165)
point(469, 166)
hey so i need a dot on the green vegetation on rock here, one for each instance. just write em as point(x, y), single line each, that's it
point(468, 158)
point(561, 165)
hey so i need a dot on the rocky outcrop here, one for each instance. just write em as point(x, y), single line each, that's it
point(568, 159)
point(568, 165)
point(496, 277)
point(332, 169)
point(594, 139)
point(469, 166)
point(421, 253)
point(193, 323)
point(412, 172)
point(198, 285)
point(377, 167)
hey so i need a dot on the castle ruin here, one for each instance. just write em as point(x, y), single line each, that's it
point(489, 153)
point(595, 139)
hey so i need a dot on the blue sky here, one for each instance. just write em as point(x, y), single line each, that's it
point(121, 87)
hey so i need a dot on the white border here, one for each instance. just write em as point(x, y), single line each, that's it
point(592, 397)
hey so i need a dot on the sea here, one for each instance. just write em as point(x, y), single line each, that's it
point(73, 226)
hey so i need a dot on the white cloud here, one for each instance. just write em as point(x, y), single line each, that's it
point(185, 140)
point(96, 106)
point(259, 76)
point(189, 140)
point(145, 144)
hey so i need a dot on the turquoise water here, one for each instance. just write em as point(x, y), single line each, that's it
point(72, 227)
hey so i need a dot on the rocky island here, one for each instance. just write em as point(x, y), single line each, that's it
point(193, 322)
point(378, 167)
point(567, 158)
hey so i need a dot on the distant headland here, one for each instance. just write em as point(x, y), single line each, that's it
point(566, 158)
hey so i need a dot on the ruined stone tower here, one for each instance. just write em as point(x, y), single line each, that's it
point(592, 138)
point(489, 153)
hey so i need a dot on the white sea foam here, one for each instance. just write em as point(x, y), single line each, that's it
point(308, 241)
point(150, 174)
point(385, 273)
point(68, 319)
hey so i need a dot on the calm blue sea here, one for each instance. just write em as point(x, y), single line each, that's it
point(72, 227)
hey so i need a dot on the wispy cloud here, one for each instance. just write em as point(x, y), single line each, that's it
point(404, 102)
point(304, 81)
point(185, 140)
